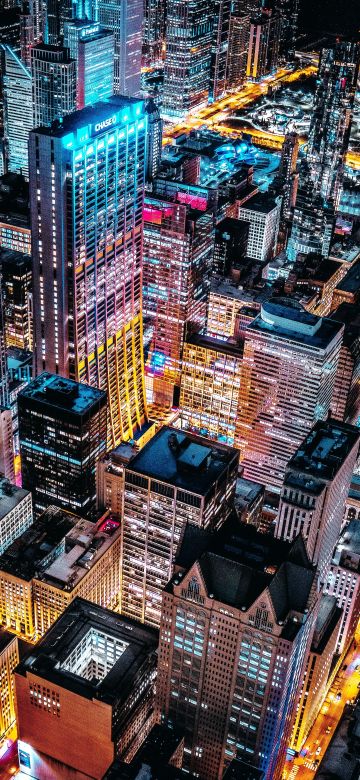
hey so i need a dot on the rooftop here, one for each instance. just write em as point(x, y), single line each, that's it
point(82, 622)
point(96, 116)
point(328, 618)
point(184, 460)
point(84, 545)
point(10, 261)
point(322, 453)
point(151, 761)
point(10, 496)
point(260, 203)
point(5, 639)
point(351, 281)
point(287, 319)
point(347, 551)
point(54, 392)
point(39, 545)
point(218, 345)
point(247, 491)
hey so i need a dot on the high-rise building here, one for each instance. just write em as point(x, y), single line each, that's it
point(6, 443)
point(289, 13)
point(57, 13)
point(27, 34)
point(237, 49)
point(315, 488)
point(18, 112)
point(99, 669)
point(219, 47)
point(188, 56)
point(9, 659)
point(62, 427)
point(16, 273)
point(124, 18)
point(331, 118)
point(346, 397)
point(90, 327)
point(16, 513)
point(153, 31)
point(153, 140)
point(263, 52)
point(343, 582)
point(92, 48)
point(262, 213)
point(224, 309)
point(53, 75)
point(176, 477)
point(15, 213)
point(231, 242)
point(319, 666)
point(234, 632)
point(289, 366)
point(287, 173)
point(210, 387)
point(110, 476)
point(178, 249)
point(312, 224)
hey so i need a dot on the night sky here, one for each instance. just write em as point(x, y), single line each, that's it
point(336, 16)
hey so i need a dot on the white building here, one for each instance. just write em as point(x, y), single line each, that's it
point(18, 110)
point(16, 512)
point(262, 214)
point(343, 582)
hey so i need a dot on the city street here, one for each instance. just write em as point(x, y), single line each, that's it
point(346, 686)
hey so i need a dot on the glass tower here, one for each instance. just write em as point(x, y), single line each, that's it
point(86, 193)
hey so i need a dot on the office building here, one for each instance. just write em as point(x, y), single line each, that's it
point(316, 485)
point(27, 34)
point(153, 140)
point(100, 670)
point(92, 338)
point(15, 213)
point(289, 367)
point(92, 48)
point(16, 276)
point(248, 502)
point(178, 248)
point(346, 396)
point(348, 289)
point(262, 213)
point(86, 565)
point(176, 477)
point(313, 224)
point(263, 52)
point(235, 628)
point(331, 118)
point(110, 475)
point(124, 18)
point(287, 176)
point(18, 113)
point(230, 249)
point(238, 47)
point(153, 36)
point(319, 668)
point(210, 388)
point(53, 75)
point(6, 441)
point(62, 427)
point(289, 14)
point(225, 303)
point(219, 48)
point(343, 582)
point(16, 513)
point(57, 14)
point(10, 27)
point(188, 56)
point(160, 754)
point(9, 659)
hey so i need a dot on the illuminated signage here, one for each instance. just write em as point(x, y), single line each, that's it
point(90, 30)
point(106, 123)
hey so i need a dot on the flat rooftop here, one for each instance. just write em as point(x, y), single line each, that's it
point(5, 639)
point(260, 203)
point(247, 491)
point(218, 345)
point(39, 544)
point(183, 460)
point(322, 453)
point(287, 319)
point(90, 115)
point(350, 538)
point(51, 658)
point(12, 261)
point(10, 496)
point(85, 544)
point(53, 392)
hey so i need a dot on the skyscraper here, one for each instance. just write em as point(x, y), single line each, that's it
point(18, 112)
point(234, 631)
point(178, 247)
point(57, 13)
point(153, 30)
point(237, 49)
point(176, 477)
point(289, 366)
point(188, 55)
point(263, 52)
point(153, 140)
point(54, 83)
point(219, 47)
point(87, 254)
point(16, 270)
point(124, 18)
point(331, 118)
point(316, 485)
point(62, 428)
point(92, 48)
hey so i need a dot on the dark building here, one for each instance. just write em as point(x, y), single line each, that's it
point(85, 694)
point(15, 213)
point(159, 758)
point(231, 237)
point(16, 288)
point(62, 426)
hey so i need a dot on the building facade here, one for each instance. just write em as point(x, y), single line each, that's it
point(92, 48)
point(263, 215)
point(53, 75)
point(93, 330)
point(62, 429)
point(124, 18)
point(18, 112)
point(16, 272)
point(16, 514)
